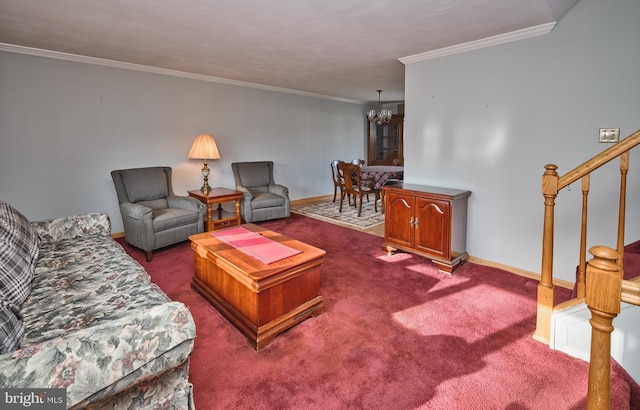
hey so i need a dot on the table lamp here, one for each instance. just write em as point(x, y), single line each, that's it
point(204, 148)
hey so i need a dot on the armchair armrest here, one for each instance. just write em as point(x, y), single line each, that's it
point(185, 202)
point(57, 229)
point(103, 360)
point(136, 211)
point(246, 194)
point(279, 189)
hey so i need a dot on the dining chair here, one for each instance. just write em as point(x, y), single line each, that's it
point(356, 186)
point(337, 178)
point(360, 162)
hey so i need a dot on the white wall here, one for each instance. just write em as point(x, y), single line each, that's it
point(489, 120)
point(65, 125)
point(571, 333)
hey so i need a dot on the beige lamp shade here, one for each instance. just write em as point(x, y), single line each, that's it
point(204, 147)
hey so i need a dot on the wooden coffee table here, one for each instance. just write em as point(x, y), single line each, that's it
point(261, 300)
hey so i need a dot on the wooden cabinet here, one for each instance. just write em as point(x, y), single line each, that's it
point(385, 142)
point(428, 221)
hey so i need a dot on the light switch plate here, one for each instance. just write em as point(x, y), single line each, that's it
point(609, 135)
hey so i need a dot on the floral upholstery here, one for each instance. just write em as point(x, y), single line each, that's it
point(55, 230)
point(98, 327)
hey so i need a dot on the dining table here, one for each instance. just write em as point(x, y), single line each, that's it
point(381, 174)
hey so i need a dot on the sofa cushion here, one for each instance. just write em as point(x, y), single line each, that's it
point(19, 249)
point(11, 327)
point(82, 282)
point(72, 227)
point(145, 184)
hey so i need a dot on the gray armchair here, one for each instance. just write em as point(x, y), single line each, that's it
point(152, 215)
point(262, 198)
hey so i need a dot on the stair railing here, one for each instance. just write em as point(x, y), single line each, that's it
point(552, 184)
point(605, 290)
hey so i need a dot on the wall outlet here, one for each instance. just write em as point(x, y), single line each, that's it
point(609, 135)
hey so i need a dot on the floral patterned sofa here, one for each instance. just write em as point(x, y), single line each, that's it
point(76, 312)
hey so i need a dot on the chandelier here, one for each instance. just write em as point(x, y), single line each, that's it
point(381, 117)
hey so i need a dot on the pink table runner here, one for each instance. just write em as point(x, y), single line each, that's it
point(255, 245)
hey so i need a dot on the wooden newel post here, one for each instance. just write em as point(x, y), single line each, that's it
point(604, 287)
point(546, 291)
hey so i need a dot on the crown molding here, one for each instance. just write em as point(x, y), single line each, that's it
point(517, 35)
point(12, 48)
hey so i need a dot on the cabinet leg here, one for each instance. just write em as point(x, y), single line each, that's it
point(444, 267)
point(449, 268)
point(388, 249)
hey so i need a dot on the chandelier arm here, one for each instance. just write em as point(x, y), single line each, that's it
point(383, 116)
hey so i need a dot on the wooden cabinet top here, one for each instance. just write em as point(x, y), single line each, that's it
point(422, 189)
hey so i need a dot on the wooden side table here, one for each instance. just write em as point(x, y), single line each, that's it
point(219, 195)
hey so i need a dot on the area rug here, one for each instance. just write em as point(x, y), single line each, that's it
point(329, 211)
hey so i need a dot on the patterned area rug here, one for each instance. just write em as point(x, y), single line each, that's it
point(328, 211)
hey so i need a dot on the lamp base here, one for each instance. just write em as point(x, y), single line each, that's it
point(205, 174)
point(205, 188)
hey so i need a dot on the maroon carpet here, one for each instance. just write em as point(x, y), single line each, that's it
point(396, 335)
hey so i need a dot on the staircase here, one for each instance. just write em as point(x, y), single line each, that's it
point(601, 284)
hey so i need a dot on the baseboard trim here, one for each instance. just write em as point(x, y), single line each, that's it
point(306, 201)
point(520, 272)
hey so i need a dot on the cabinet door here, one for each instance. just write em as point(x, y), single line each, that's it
point(398, 217)
point(433, 227)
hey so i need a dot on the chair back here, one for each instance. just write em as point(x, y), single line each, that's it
point(357, 161)
point(356, 186)
point(350, 177)
point(335, 173)
point(149, 186)
point(255, 176)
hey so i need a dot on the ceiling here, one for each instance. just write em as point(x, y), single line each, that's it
point(345, 49)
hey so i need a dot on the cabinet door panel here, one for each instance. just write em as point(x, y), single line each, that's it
point(433, 230)
point(398, 217)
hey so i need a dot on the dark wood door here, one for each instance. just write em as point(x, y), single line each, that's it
point(398, 219)
point(433, 227)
